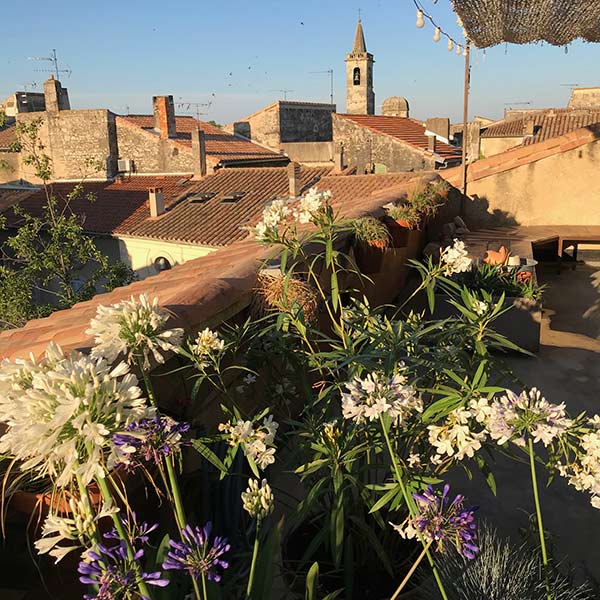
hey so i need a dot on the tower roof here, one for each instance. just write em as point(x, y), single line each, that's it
point(359, 39)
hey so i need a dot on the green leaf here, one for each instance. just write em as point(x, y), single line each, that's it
point(385, 499)
point(312, 582)
point(209, 455)
point(337, 530)
point(268, 560)
point(335, 290)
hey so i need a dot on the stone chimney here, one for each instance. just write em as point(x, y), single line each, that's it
point(164, 116)
point(431, 143)
point(198, 152)
point(157, 201)
point(529, 128)
point(55, 96)
point(293, 170)
point(339, 158)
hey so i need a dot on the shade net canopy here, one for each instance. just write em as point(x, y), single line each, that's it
point(558, 22)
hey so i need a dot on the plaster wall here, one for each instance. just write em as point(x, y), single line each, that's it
point(310, 153)
point(491, 146)
point(562, 189)
point(140, 253)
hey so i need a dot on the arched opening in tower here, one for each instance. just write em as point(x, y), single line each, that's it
point(356, 76)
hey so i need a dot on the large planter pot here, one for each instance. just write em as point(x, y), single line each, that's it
point(399, 231)
point(369, 256)
point(521, 325)
point(416, 243)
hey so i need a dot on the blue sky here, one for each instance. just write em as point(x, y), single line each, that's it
point(236, 53)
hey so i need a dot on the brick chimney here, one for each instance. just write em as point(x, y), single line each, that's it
point(293, 170)
point(529, 128)
point(164, 116)
point(157, 201)
point(198, 152)
point(55, 96)
point(431, 143)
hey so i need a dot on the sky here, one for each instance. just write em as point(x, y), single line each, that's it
point(238, 55)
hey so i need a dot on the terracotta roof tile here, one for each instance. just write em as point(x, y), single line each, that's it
point(118, 207)
point(219, 144)
point(404, 129)
point(8, 134)
point(215, 222)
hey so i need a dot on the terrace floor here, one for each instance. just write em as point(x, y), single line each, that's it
point(567, 369)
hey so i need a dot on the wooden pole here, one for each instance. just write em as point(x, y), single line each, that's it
point(465, 128)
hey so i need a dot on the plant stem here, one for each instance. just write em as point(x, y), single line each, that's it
point(254, 557)
point(174, 491)
point(107, 496)
point(411, 507)
point(412, 570)
point(538, 512)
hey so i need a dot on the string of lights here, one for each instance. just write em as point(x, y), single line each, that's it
point(452, 44)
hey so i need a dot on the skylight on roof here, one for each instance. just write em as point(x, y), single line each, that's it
point(232, 197)
point(201, 197)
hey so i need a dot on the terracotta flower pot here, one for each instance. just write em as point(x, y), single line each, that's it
point(398, 229)
point(369, 255)
point(28, 503)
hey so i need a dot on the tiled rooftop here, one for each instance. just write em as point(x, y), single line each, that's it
point(404, 129)
point(549, 124)
point(199, 292)
point(219, 144)
point(7, 136)
point(215, 221)
point(119, 205)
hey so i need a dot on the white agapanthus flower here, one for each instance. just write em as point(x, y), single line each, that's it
point(208, 342)
point(584, 472)
point(376, 395)
point(455, 258)
point(135, 329)
point(456, 437)
point(75, 530)
point(257, 439)
point(61, 413)
point(310, 204)
point(512, 417)
point(258, 499)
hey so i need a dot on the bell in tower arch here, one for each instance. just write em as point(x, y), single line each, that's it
point(356, 78)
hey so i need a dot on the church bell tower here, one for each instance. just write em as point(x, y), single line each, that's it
point(360, 98)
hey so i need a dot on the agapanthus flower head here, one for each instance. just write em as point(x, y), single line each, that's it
point(514, 417)
point(62, 534)
point(149, 440)
point(256, 439)
point(62, 415)
point(443, 522)
point(310, 205)
point(258, 499)
point(377, 395)
point(207, 343)
point(583, 473)
point(134, 328)
point(197, 553)
point(455, 259)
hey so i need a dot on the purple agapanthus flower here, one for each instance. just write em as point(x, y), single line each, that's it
point(441, 521)
point(150, 440)
point(116, 576)
point(138, 533)
point(196, 554)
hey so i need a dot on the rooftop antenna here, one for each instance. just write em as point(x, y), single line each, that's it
point(54, 60)
point(31, 84)
point(330, 73)
point(570, 85)
point(284, 91)
point(194, 107)
point(511, 104)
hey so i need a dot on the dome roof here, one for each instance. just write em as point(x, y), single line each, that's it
point(393, 105)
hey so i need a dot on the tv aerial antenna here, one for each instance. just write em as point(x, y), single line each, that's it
point(284, 91)
point(54, 60)
point(194, 107)
point(31, 84)
point(330, 73)
point(570, 85)
point(511, 104)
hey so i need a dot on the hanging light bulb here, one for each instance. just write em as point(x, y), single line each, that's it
point(464, 52)
point(459, 21)
point(465, 34)
point(450, 45)
point(458, 49)
point(420, 20)
point(436, 35)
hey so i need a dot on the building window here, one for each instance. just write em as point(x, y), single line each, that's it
point(162, 264)
point(356, 77)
